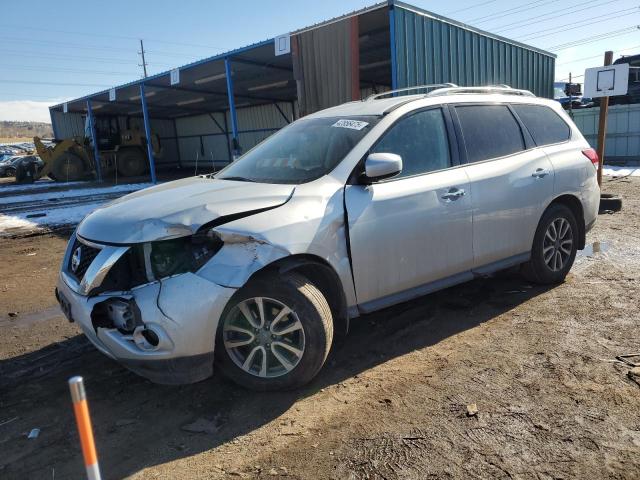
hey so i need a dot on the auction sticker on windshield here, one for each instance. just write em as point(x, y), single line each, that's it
point(352, 124)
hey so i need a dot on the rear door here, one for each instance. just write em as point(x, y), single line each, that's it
point(511, 182)
point(415, 228)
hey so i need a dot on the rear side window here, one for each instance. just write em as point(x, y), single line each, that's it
point(489, 131)
point(545, 126)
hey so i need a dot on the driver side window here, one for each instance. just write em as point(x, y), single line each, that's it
point(421, 140)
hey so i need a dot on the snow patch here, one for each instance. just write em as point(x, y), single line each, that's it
point(46, 214)
point(614, 171)
point(58, 216)
point(76, 192)
point(39, 185)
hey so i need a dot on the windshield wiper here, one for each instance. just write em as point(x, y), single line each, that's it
point(239, 179)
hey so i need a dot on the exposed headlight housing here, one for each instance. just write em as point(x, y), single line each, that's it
point(186, 254)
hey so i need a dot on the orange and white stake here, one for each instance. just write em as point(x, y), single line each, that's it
point(81, 409)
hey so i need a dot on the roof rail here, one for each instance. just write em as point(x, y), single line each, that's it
point(502, 89)
point(417, 87)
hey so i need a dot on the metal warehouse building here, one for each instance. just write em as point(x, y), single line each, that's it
point(209, 110)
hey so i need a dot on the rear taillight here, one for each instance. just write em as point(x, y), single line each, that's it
point(592, 155)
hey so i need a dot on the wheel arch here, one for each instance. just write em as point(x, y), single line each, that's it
point(323, 276)
point(575, 205)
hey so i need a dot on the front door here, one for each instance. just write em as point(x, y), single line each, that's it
point(412, 230)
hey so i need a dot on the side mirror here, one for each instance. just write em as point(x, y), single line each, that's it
point(378, 166)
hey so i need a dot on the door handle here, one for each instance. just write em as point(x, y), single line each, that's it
point(540, 173)
point(453, 194)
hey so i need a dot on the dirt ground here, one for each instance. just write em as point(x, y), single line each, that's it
point(392, 401)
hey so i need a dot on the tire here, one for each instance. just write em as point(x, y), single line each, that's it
point(10, 172)
point(131, 162)
point(25, 172)
point(68, 167)
point(610, 203)
point(554, 269)
point(311, 332)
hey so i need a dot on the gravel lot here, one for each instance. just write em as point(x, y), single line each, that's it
point(392, 402)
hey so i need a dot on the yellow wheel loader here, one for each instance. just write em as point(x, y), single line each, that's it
point(121, 151)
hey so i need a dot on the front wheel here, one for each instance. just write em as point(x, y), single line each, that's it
point(554, 246)
point(131, 162)
point(68, 167)
point(275, 334)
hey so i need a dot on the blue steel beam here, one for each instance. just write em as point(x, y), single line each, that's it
point(94, 141)
point(392, 39)
point(147, 131)
point(232, 108)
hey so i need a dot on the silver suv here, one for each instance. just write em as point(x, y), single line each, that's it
point(341, 213)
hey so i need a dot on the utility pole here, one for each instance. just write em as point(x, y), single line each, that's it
point(570, 96)
point(144, 62)
point(602, 121)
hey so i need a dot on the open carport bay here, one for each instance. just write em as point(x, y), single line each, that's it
point(390, 403)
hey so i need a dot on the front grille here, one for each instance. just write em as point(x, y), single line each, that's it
point(128, 272)
point(87, 255)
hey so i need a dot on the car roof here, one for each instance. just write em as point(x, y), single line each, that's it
point(380, 106)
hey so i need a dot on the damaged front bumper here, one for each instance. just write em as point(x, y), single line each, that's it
point(164, 330)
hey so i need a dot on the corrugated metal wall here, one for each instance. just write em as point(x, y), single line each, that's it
point(257, 123)
point(67, 124)
point(431, 51)
point(623, 129)
point(199, 138)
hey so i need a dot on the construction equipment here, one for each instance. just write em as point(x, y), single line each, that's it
point(121, 151)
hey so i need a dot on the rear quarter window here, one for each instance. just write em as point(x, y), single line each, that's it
point(545, 126)
point(489, 131)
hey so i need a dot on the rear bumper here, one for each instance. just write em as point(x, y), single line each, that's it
point(183, 311)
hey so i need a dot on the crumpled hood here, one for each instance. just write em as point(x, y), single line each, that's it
point(176, 209)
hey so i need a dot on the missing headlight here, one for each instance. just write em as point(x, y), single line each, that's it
point(187, 254)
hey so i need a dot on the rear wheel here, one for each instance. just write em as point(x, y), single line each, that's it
point(131, 162)
point(10, 172)
point(275, 333)
point(68, 167)
point(554, 246)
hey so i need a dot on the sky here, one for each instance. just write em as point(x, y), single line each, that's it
point(51, 51)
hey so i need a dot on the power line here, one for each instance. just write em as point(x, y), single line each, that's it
point(13, 94)
point(540, 18)
point(65, 84)
point(58, 57)
point(89, 47)
point(533, 35)
point(572, 77)
point(595, 56)
point(126, 37)
point(583, 41)
point(64, 69)
point(475, 5)
point(511, 11)
point(64, 44)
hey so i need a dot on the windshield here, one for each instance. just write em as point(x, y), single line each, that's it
point(301, 152)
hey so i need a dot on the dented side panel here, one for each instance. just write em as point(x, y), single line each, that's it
point(312, 223)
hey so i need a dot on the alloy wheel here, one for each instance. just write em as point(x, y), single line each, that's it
point(264, 337)
point(557, 244)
